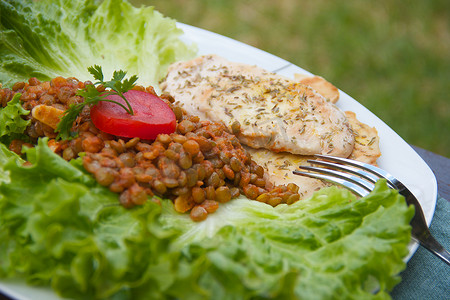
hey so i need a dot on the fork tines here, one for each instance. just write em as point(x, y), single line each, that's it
point(360, 178)
point(356, 176)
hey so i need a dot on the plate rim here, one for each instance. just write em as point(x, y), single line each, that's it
point(287, 68)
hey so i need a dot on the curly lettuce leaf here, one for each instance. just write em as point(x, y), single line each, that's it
point(59, 228)
point(332, 244)
point(12, 125)
point(48, 38)
point(68, 232)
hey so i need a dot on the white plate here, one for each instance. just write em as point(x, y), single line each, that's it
point(398, 158)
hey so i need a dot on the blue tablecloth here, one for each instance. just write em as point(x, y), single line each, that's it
point(426, 276)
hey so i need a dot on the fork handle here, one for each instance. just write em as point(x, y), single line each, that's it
point(430, 243)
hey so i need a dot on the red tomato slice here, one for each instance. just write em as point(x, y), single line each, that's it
point(152, 116)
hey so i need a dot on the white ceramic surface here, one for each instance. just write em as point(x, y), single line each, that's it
point(398, 158)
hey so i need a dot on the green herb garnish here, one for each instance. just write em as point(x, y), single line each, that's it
point(117, 85)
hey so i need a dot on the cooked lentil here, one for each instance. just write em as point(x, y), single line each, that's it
point(197, 167)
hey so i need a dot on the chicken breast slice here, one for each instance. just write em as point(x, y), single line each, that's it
point(273, 112)
point(367, 141)
point(320, 85)
point(280, 166)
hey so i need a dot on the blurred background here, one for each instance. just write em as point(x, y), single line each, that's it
point(392, 56)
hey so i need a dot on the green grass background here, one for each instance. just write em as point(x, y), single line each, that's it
point(392, 56)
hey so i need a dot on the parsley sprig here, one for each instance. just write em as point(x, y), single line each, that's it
point(117, 86)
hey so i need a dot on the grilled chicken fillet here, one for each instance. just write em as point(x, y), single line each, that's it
point(280, 166)
point(271, 111)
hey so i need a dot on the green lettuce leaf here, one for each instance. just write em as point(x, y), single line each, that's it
point(12, 125)
point(332, 244)
point(59, 228)
point(48, 38)
point(68, 232)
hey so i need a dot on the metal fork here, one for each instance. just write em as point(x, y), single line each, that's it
point(360, 178)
